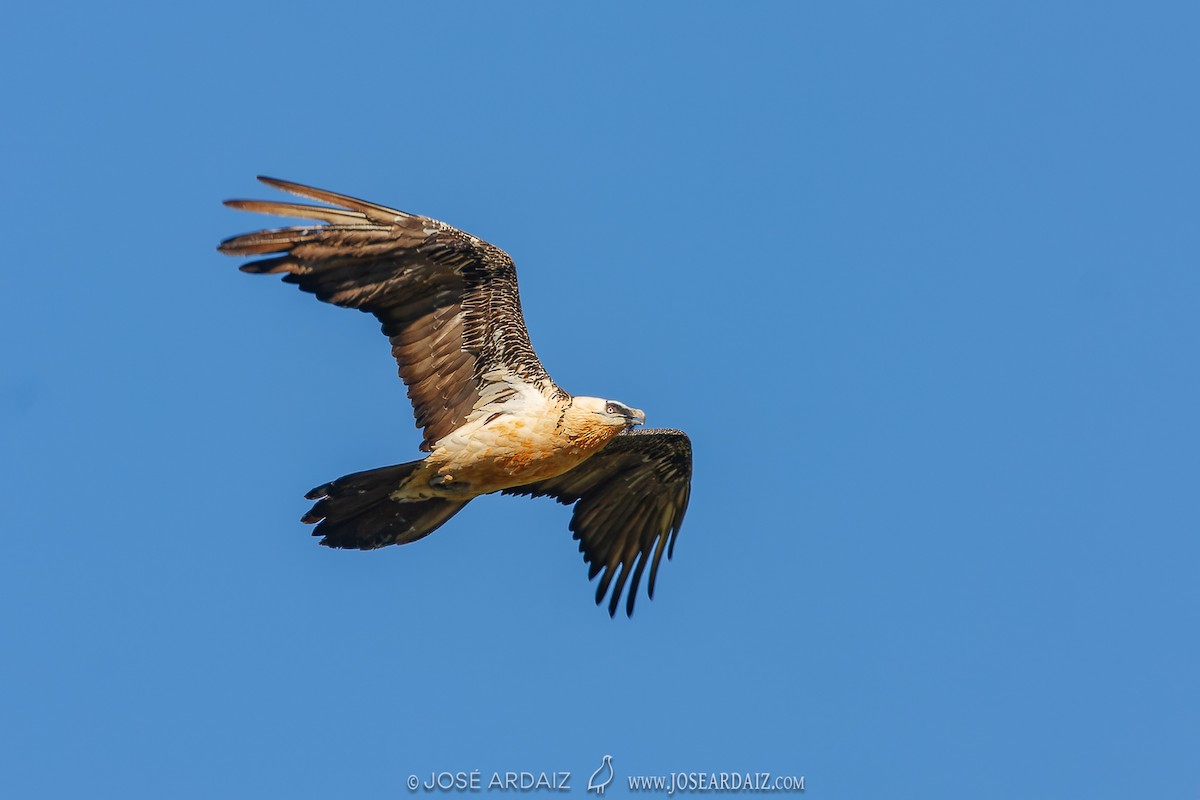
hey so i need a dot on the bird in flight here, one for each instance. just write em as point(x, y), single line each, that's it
point(493, 419)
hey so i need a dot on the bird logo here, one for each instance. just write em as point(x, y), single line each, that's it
point(602, 777)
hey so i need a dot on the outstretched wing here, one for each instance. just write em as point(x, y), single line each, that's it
point(448, 301)
point(630, 500)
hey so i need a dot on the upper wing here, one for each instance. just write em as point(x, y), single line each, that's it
point(447, 300)
point(631, 496)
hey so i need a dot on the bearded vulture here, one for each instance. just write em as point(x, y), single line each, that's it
point(493, 419)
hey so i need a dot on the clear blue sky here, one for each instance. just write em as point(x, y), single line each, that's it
point(921, 283)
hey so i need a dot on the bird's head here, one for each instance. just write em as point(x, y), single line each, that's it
point(611, 412)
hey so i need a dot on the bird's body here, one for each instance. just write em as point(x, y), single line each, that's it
point(505, 450)
point(494, 420)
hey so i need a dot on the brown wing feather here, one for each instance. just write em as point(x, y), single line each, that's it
point(448, 301)
point(630, 500)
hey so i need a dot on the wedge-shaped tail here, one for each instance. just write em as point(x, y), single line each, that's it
point(356, 511)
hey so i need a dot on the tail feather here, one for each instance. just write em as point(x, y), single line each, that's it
point(357, 512)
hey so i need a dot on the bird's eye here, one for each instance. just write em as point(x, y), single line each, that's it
point(610, 409)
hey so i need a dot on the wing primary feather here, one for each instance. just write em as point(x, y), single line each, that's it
point(658, 553)
point(371, 211)
point(299, 211)
point(633, 586)
point(615, 600)
point(605, 581)
point(273, 240)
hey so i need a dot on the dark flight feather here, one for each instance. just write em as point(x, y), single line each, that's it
point(629, 499)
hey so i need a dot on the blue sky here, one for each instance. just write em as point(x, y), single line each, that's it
point(921, 283)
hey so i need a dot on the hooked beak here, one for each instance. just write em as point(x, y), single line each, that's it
point(636, 417)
